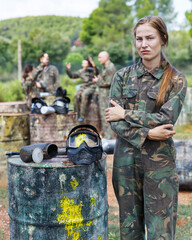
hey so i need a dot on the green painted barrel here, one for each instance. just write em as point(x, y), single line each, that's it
point(57, 200)
point(14, 134)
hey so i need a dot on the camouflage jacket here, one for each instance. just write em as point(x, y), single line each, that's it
point(50, 78)
point(85, 74)
point(136, 91)
point(29, 84)
point(106, 76)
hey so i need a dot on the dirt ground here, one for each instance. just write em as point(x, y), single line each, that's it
point(184, 198)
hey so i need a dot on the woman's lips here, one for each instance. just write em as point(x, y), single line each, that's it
point(145, 51)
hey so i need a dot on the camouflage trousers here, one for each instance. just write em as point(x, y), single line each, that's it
point(106, 133)
point(81, 100)
point(147, 195)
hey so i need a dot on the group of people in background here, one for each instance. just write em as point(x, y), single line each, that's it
point(45, 78)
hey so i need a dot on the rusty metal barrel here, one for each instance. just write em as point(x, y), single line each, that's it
point(14, 132)
point(13, 107)
point(53, 128)
point(57, 200)
point(184, 163)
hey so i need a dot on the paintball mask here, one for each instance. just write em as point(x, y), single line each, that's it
point(84, 145)
point(60, 92)
point(61, 105)
point(37, 104)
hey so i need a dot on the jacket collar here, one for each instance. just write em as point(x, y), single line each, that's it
point(156, 72)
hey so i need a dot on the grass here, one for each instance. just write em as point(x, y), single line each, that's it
point(184, 231)
point(113, 227)
point(184, 131)
point(4, 196)
point(4, 202)
point(2, 235)
point(189, 80)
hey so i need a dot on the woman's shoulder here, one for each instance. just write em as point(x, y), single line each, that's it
point(179, 80)
point(179, 76)
point(127, 71)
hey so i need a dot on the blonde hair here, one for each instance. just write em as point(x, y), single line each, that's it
point(158, 23)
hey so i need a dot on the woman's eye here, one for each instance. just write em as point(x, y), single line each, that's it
point(139, 39)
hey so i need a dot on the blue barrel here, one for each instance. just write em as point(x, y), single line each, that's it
point(57, 200)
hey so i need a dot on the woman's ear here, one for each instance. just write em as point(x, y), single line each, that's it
point(165, 40)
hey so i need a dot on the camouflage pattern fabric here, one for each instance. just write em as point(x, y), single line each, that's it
point(81, 100)
point(50, 78)
point(86, 89)
point(144, 175)
point(29, 85)
point(104, 83)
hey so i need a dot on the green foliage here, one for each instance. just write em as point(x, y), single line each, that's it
point(117, 53)
point(11, 91)
point(107, 24)
point(22, 27)
point(189, 80)
point(75, 59)
point(163, 8)
point(5, 56)
point(179, 45)
point(188, 15)
point(70, 85)
point(51, 34)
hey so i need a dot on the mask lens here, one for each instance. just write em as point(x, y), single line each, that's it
point(77, 139)
point(60, 103)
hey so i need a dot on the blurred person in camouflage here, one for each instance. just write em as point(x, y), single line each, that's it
point(146, 99)
point(87, 88)
point(30, 85)
point(104, 82)
point(49, 77)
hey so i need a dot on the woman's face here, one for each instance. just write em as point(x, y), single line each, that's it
point(85, 64)
point(148, 43)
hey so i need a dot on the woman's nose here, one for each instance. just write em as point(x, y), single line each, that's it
point(144, 43)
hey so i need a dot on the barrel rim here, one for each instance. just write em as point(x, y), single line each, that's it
point(48, 163)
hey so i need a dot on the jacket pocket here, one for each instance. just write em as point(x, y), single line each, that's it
point(129, 98)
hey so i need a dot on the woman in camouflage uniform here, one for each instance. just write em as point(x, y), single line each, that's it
point(31, 87)
point(87, 88)
point(146, 99)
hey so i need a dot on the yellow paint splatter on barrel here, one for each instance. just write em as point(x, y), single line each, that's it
point(92, 201)
point(74, 183)
point(72, 218)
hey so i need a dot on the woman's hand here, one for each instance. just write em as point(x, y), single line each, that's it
point(114, 114)
point(95, 79)
point(68, 65)
point(38, 85)
point(91, 61)
point(162, 132)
